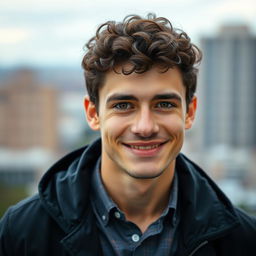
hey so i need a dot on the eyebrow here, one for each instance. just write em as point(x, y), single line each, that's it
point(116, 97)
point(167, 96)
point(163, 96)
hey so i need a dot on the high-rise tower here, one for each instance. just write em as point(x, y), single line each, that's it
point(228, 87)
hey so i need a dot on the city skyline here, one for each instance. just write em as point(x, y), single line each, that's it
point(234, 167)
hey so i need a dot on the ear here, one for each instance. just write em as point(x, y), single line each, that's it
point(91, 114)
point(190, 115)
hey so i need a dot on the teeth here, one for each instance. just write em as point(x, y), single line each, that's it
point(144, 147)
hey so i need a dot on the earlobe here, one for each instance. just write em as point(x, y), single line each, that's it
point(190, 115)
point(91, 114)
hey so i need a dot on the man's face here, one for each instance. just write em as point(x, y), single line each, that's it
point(142, 119)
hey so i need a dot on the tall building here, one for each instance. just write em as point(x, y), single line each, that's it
point(228, 87)
point(28, 113)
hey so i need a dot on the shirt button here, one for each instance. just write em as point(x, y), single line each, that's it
point(135, 238)
point(118, 215)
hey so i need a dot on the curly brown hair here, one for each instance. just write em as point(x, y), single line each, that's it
point(142, 43)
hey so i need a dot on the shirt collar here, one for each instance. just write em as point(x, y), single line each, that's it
point(173, 198)
point(104, 205)
point(100, 199)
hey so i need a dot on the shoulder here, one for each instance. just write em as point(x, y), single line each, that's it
point(23, 204)
point(13, 223)
point(22, 216)
point(21, 224)
point(241, 239)
point(24, 210)
point(247, 223)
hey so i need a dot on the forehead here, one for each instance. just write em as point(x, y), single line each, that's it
point(143, 85)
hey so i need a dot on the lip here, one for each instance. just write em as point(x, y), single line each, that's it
point(145, 149)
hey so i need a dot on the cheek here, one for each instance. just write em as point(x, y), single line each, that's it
point(174, 124)
point(113, 127)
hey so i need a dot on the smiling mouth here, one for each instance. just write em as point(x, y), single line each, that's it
point(144, 147)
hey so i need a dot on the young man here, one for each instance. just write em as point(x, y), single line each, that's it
point(132, 192)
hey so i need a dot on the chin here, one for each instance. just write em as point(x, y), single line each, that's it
point(144, 175)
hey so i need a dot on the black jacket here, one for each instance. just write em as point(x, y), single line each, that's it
point(59, 220)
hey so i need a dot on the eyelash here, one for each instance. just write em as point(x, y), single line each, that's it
point(124, 106)
point(170, 105)
point(117, 106)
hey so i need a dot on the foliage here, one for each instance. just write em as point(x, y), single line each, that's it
point(248, 209)
point(10, 195)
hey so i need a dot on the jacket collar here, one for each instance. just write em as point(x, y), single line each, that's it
point(205, 212)
point(64, 189)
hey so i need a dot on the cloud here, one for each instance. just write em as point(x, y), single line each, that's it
point(13, 35)
point(47, 29)
point(232, 7)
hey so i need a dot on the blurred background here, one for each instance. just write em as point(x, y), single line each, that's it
point(42, 87)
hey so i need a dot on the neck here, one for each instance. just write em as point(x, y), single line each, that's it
point(142, 200)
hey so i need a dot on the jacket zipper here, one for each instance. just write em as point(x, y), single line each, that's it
point(198, 247)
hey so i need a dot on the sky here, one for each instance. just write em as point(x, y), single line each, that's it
point(53, 32)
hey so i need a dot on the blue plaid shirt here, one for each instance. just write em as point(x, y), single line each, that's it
point(121, 237)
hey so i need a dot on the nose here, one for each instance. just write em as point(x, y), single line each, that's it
point(144, 124)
